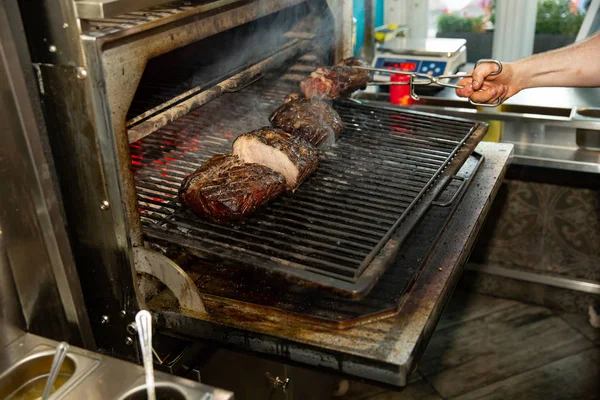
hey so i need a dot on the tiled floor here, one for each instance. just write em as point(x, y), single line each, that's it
point(491, 348)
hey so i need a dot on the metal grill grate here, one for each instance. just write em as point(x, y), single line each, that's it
point(333, 230)
point(120, 23)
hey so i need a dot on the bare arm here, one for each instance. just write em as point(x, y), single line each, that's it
point(577, 65)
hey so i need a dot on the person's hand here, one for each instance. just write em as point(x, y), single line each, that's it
point(486, 88)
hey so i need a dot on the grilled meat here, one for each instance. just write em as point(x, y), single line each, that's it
point(225, 188)
point(342, 78)
point(350, 78)
point(311, 119)
point(322, 84)
point(289, 155)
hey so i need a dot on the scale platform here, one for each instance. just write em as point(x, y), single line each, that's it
point(435, 56)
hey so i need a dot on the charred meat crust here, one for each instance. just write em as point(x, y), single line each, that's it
point(225, 189)
point(300, 153)
point(351, 79)
point(311, 119)
point(322, 83)
point(330, 83)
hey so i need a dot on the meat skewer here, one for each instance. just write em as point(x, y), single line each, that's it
point(289, 155)
point(225, 188)
point(342, 78)
point(311, 119)
point(264, 162)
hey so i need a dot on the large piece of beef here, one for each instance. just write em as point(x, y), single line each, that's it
point(330, 83)
point(311, 119)
point(225, 188)
point(289, 155)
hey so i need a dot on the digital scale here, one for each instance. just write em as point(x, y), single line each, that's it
point(433, 57)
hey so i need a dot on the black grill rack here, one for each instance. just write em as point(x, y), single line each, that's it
point(342, 228)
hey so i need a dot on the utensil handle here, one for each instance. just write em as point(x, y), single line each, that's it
point(59, 357)
point(143, 320)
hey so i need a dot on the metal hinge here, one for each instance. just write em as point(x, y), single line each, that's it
point(277, 382)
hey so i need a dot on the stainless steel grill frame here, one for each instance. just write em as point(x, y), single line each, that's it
point(87, 73)
point(342, 228)
point(87, 134)
point(315, 307)
point(382, 351)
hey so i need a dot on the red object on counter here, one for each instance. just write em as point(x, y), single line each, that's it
point(400, 94)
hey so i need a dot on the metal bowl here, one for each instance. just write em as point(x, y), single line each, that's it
point(164, 391)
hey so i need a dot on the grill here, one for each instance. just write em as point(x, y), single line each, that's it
point(343, 227)
point(319, 307)
point(371, 224)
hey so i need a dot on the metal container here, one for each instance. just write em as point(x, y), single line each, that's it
point(24, 367)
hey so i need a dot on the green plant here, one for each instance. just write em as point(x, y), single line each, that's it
point(558, 17)
point(553, 16)
point(459, 23)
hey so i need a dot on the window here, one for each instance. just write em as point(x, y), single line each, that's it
point(557, 23)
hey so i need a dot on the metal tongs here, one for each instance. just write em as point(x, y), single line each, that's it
point(419, 79)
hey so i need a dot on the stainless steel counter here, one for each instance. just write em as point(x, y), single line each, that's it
point(556, 97)
point(555, 128)
point(92, 375)
point(558, 137)
point(559, 97)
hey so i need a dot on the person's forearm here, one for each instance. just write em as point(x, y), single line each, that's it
point(577, 65)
